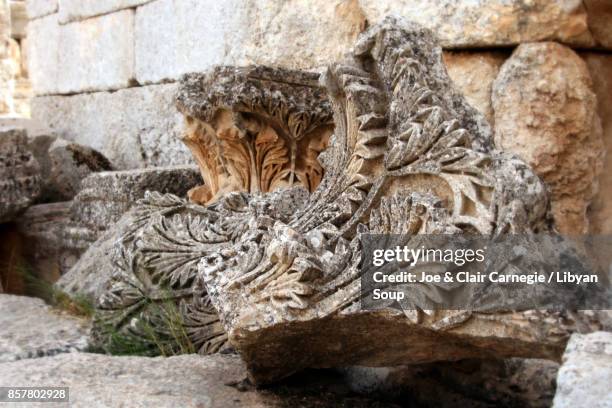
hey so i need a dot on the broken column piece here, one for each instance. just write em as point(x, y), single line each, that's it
point(409, 155)
point(276, 249)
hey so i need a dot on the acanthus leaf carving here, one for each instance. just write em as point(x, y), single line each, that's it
point(272, 239)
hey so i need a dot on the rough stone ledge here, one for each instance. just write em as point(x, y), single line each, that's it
point(584, 377)
point(31, 329)
point(214, 381)
point(403, 343)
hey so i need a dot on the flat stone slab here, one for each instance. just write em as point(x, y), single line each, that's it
point(584, 378)
point(97, 380)
point(31, 328)
point(107, 195)
point(134, 127)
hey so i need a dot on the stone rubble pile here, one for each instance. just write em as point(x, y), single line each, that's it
point(311, 124)
point(60, 197)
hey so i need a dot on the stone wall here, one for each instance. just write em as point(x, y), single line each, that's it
point(103, 73)
point(15, 89)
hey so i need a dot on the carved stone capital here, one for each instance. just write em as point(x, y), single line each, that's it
point(276, 249)
point(254, 129)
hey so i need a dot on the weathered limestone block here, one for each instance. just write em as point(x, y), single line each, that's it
point(279, 257)
point(600, 212)
point(19, 19)
point(546, 112)
point(20, 179)
point(299, 35)
point(70, 164)
point(96, 54)
point(135, 127)
point(292, 34)
point(486, 23)
point(75, 10)
point(215, 381)
point(104, 198)
point(167, 31)
point(40, 8)
point(43, 62)
point(63, 165)
point(283, 119)
point(32, 329)
point(584, 376)
point(473, 74)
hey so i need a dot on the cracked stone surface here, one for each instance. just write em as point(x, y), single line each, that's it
point(215, 381)
point(546, 112)
point(32, 329)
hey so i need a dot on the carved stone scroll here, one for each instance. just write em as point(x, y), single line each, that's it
point(276, 250)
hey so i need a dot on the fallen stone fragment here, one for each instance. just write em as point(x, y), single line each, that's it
point(64, 165)
point(32, 329)
point(70, 164)
point(20, 179)
point(404, 147)
point(51, 243)
point(215, 381)
point(584, 376)
point(277, 246)
point(103, 199)
point(546, 112)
